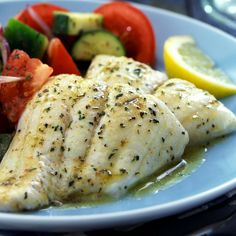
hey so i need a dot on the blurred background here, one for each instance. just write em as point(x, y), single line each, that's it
point(219, 13)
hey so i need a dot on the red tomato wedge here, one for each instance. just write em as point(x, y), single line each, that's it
point(44, 10)
point(14, 96)
point(60, 60)
point(132, 27)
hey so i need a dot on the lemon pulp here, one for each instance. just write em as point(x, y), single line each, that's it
point(183, 59)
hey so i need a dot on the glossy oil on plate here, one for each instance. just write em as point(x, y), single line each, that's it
point(214, 177)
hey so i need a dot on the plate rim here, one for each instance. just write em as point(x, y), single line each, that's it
point(72, 223)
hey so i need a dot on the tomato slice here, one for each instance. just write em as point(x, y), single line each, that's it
point(14, 96)
point(60, 60)
point(44, 10)
point(132, 27)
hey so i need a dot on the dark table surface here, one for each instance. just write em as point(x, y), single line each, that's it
point(217, 217)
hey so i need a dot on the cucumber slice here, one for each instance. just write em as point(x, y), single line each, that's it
point(74, 23)
point(21, 36)
point(97, 42)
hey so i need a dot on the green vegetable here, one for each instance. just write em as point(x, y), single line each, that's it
point(75, 23)
point(5, 140)
point(97, 42)
point(21, 36)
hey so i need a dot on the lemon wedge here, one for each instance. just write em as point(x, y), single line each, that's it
point(184, 60)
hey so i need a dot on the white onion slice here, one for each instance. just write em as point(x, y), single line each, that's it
point(37, 18)
point(10, 79)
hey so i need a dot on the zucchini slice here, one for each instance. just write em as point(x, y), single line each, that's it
point(97, 42)
point(75, 23)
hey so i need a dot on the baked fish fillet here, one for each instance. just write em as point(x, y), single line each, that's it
point(137, 136)
point(33, 171)
point(79, 139)
point(201, 114)
point(111, 70)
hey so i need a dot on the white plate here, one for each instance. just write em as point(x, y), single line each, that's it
point(215, 177)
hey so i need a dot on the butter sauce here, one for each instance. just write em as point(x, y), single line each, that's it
point(192, 159)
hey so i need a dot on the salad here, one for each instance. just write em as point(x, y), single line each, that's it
point(45, 39)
